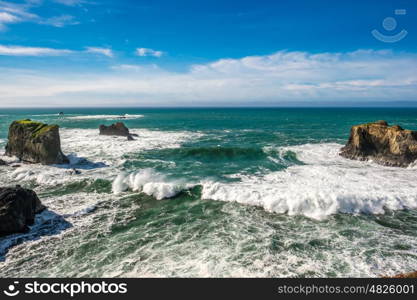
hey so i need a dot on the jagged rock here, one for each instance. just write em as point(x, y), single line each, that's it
point(73, 171)
point(384, 144)
point(114, 129)
point(18, 207)
point(118, 129)
point(35, 142)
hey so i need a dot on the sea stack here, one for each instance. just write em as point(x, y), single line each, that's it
point(35, 142)
point(384, 144)
point(118, 129)
point(18, 207)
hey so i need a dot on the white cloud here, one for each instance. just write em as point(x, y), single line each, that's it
point(70, 2)
point(103, 51)
point(148, 52)
point(7, 18)
point(281, 77)
point(22, 12)
point(60, 21)
point(41, 51)
point(32, 51)
point(135, 68)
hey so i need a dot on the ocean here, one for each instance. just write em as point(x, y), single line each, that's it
point(213, 192)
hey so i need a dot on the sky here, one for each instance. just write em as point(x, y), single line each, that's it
point(207, 53)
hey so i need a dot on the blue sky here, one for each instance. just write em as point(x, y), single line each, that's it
point(157, 53)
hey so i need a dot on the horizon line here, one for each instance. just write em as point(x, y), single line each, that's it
point(212, 107)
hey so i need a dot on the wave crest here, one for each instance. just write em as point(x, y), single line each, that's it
point(149, 182)
point(327, 184)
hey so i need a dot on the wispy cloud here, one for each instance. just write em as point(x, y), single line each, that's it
point(103, 51)
point(60, 21)
point(32, 51)
point(23, 12)
point(71, 2)
point(14, 13)
point(364, 75)
point(148, 52)
point(7, 50)
point(135, 68)
point(7, 18)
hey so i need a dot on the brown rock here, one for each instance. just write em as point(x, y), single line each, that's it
point(405, 275)
point(389, 146)
point(114, 129)
point(35, 142)
point(18, 207)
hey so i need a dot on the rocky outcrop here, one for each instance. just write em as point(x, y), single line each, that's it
point(118, 129)
point(384, 144)
point(35, 142)
point(18, 207)
point(406, 275)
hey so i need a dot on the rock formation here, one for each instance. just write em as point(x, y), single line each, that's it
point(35, 142)
point(2, 162)
point(118, 129)
point(18, 207)
point(406, 275)
point(384, 144)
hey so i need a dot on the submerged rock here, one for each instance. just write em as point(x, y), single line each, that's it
point(384, 144)
point(73, 171)
point(35, 142)
point(118, 129)
point(18, 207)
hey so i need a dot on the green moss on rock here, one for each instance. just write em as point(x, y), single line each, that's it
point(34, 141)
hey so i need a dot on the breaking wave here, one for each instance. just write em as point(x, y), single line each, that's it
point(149, 182)
point(327, 184)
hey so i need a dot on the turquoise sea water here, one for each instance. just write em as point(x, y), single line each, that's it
point(214, 193)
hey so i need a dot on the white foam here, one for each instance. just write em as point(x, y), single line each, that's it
point(106, 117)
point(94, 155)
point(89, 144)
point(326, 185)
point(47, 115)
point(9, 159)
point(149, 182)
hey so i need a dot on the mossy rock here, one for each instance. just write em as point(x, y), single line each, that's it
point(35, 142)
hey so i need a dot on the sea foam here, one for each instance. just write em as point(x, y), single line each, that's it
point(89, 144)
point(106, 117)
point(96, 156)
point(327, 184)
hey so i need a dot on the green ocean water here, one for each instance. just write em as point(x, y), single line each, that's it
point(249, 192)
